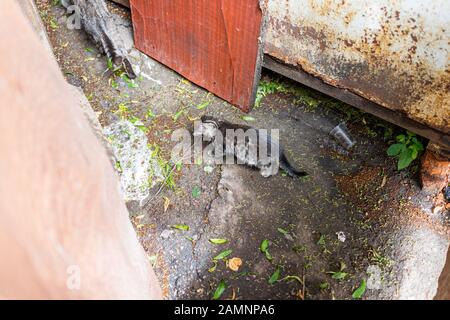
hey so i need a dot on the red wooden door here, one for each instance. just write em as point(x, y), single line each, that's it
point(213, 43)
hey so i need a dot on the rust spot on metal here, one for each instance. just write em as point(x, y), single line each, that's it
point(392, 62)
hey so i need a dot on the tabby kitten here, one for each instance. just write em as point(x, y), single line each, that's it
point(250, 146)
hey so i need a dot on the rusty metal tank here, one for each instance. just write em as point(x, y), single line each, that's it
point(394, 53)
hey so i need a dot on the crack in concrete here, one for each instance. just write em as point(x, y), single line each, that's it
point(206, 220)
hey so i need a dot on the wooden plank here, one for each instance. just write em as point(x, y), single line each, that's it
point(213, 43)
point(355, 100)
point(31, 12)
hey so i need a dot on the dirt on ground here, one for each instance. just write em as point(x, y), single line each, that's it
point(354, 219)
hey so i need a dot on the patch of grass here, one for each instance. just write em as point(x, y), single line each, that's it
point(169, 179)
point(268, 87)
point(123, 111)
point(310, 99)
point(139, 124)
point(339, 275)
point(178, 114)
point(130, 83)
point(113, 83)
point(53, 24)
point(323, 244)
point(118, 167)
point(302, 95)
point(118, 72)
point(379, 259)
point(150, 114)
point(167, 168)
point(324, 285)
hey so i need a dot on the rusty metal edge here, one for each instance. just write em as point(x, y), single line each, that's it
point(125, 3)
point(357, 101)
point(260, 55)
point(32, 15)
point(31, 12)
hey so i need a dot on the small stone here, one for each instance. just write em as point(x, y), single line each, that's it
point(138, 169)
point(208, 169)
point(341, 236)
point(437, 209)
point(289, 237)
point(105, 104)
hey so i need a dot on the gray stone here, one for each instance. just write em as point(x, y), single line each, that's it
point(166, 234)
point(138, 171)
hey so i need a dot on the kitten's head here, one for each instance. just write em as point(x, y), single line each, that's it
point(209, 127)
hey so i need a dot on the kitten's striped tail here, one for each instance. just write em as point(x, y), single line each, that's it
point(289, 169)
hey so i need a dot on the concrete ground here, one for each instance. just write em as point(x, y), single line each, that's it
point(354, 218)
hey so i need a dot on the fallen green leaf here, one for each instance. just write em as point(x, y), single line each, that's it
point(53, 24)
point(321, 241)
point(213, 268)
point(177, 115)
point(221, 287)
point(268, 255)
point(223, 255)
point(218, 241)
point(196, 191)
point(150, 114)
point(395, 149)
point(264, 245)
point(110, 64)
point(202, 105)
point(290, 278)
point(324, 285)
point(338, 275)
point(358, 293)
point(182, 227)
point(248, 118)
point(274, 277)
